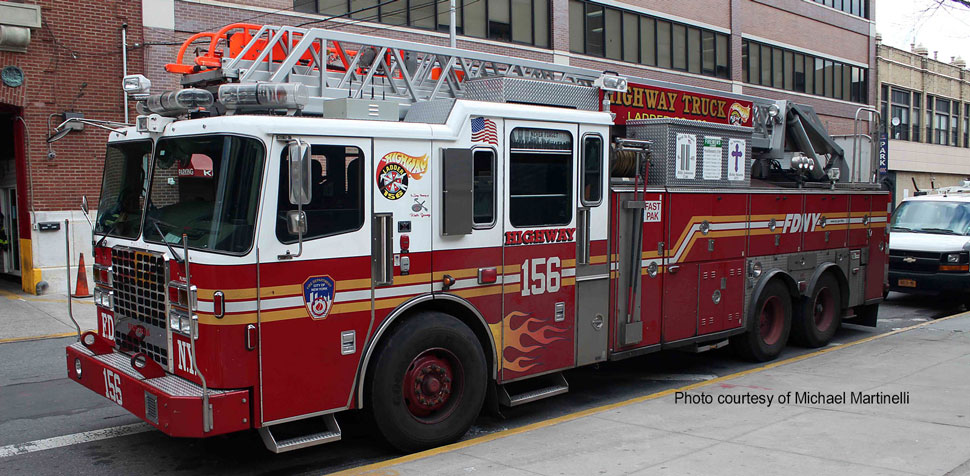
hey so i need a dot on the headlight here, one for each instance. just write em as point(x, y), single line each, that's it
point(756, 269)
point(173, 321)
point(104, 298)
point(186, 327)
point(953, 258)
point(77, 368)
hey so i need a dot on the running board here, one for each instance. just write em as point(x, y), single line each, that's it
point(554, 384)
point(698, 348)
point(330, 435)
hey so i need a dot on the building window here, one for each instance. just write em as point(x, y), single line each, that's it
point(899, 122)
point(858, 8)
point(941, 125)
point(916, 115)
point(517, 21)
point(954, 123)
point(966, 125)
point(616, 34)
point(792, 71)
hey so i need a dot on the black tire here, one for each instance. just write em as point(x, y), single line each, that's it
point(769, 327)
point(820, 315)
point(427, 382)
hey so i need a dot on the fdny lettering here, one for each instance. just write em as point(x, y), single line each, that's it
point(185, 358)
point(797, 222)
point(532, 237)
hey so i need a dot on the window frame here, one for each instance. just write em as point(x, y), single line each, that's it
point(495, 179)
point(582, 169)
point(571, 168)
point(363, 196)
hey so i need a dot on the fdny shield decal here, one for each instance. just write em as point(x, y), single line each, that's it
point(318, 296)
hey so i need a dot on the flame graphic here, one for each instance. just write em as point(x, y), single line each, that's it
point(525, 336)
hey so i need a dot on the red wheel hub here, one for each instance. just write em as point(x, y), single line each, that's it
point(824, 309)
point(432, 385)
point(771, 320)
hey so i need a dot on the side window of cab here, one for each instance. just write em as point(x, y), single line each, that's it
point(337, 200)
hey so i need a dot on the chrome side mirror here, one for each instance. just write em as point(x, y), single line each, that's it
point(296, 222)
point(301, 189)
point(84, 204)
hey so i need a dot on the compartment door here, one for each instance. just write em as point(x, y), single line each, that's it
point(825, 221)
point(592, 291)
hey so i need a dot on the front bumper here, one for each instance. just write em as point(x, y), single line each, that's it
point(930, 283)
point(172, 404)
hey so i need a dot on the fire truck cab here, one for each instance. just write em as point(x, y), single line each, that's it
point(269, 253)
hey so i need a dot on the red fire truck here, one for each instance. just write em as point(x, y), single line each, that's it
point(320, 221)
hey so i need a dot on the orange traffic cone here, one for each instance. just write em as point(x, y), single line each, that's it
point(81, 290)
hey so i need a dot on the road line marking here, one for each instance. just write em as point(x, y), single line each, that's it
point(75, 439)
point(40, 337)
point(364, 470)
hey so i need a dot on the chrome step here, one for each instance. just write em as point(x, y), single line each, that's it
point(330, 435)
point(557, 386)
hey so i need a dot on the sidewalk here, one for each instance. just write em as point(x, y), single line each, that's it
point(926, 433)
point(24, 316)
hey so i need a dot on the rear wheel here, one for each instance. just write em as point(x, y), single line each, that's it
point(821, 314)
point(427, 382)
point(768, 333)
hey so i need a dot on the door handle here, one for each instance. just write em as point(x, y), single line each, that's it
point(673, 269)
point(582, 251)
point(382, 250)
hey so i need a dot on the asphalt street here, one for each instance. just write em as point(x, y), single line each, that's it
point(38, 403)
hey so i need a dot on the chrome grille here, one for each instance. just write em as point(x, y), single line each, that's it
point(140, 279)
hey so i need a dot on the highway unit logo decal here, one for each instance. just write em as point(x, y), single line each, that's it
point(318, 296)
point(535, 237)
point(396, 169)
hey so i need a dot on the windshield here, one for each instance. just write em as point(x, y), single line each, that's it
point(206, 187)
point(123, 189)
point(948, 218)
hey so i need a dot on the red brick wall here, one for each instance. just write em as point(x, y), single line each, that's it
point(79, 43)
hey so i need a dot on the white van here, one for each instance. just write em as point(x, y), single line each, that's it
point(929, 244)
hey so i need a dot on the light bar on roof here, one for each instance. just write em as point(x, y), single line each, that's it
point(174, 103)
point(290, 96)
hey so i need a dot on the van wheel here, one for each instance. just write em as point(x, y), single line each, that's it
point(427, 382)
point(821, 314)
point(769, 329)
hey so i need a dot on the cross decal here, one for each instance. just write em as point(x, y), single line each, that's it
point(737, 154)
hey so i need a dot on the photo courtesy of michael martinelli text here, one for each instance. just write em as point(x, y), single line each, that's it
point(792, 398)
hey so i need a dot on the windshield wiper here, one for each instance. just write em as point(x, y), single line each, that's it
point(161, 236)
point(942, 231)
point(899, 228)
point(105, 237)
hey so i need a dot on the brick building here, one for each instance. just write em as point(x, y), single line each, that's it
point(58, 57)
point(926, 103)
point(817, 52)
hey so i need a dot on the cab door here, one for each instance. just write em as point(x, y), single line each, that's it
point(540, 245)
point(314, 307)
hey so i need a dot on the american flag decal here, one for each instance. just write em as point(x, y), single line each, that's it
point(483, 130)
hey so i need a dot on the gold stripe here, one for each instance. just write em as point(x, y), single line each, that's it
point(599, 259)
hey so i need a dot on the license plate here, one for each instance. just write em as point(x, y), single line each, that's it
point(907, 283)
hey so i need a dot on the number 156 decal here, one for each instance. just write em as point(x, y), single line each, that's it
point(545, 276)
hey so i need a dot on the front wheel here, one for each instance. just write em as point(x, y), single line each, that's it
point(767, 335)
point(427, 382)
point(821, 314)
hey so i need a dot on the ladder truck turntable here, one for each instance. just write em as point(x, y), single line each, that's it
point(320, 221)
